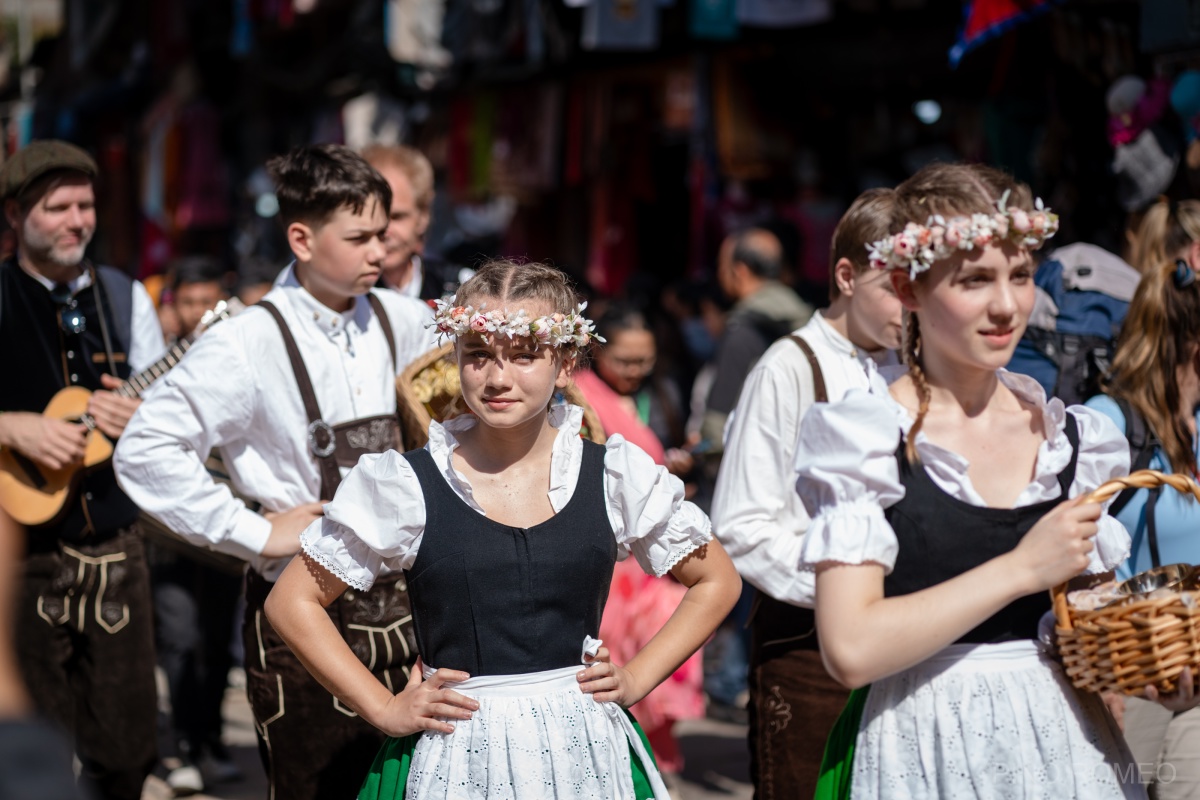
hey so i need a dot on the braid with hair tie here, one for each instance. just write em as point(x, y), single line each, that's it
point(912, 359)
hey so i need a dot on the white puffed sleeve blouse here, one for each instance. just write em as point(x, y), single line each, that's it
point(847, 472)
point(377, 518)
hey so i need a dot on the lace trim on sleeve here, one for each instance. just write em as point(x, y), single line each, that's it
point(695, 530)
point(310, 543)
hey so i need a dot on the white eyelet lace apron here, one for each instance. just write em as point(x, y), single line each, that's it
point(996, 721)
point(536, 736)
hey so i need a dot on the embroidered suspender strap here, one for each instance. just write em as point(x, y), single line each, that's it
point(377, 307)
point(819, 391)
point(321, 440)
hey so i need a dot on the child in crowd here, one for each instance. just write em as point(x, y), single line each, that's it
point(507, 525)
point(939, 524)
point(759, 517)
point(292, 392)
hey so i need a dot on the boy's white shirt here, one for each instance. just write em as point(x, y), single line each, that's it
point(756, 512)
point(235, 390)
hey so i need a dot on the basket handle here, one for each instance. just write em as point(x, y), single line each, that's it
point(1142, 479)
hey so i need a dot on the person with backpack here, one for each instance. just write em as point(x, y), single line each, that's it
point(1153, 394)
point(84, 630)
point(1082, 296)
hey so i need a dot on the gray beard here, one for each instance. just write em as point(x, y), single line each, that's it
point(38, 254)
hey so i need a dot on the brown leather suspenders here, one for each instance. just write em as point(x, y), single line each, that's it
point(323, 438)
point(820, 395)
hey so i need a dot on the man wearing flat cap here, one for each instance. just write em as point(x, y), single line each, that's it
point(84, 630)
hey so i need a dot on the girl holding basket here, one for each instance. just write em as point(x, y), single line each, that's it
point(941, 519)
point(507, 525)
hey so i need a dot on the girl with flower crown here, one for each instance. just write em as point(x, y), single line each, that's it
point(507, 525)
point(941, 518)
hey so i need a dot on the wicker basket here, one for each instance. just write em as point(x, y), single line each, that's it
point(1128, 645)
point(429, 390)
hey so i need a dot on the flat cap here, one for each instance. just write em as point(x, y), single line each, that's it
point(37, 158)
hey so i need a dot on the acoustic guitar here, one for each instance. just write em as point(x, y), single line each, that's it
point(34, 495)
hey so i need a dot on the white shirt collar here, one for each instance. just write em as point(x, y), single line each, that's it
point(330, 322)
point(80, 281)
point(565, 455)
point(413, 287)
point(832, 337)
point(843, 346)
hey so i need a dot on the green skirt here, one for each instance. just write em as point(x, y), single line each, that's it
point(389, 774)
point(837, 765)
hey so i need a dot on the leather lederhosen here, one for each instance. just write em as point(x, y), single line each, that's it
point(311, 745)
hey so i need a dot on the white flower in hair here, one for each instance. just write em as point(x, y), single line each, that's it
point(918, 247)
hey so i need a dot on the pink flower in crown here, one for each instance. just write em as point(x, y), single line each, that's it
point(1038, 222)
point(540, 328)
point(954, 235)
point(982, 237)
point(1020, 221)
point(1000, 225)
point(479, 323)
point(878, 263)
point(903, 246)
point(458, 311)
point(923, 235)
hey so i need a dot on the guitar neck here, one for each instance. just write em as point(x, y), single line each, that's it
point(139, 383)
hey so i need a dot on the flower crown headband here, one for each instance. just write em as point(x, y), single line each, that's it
point(917, 247)
point(556, 330)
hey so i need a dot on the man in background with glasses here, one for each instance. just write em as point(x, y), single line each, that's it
point(84, 633)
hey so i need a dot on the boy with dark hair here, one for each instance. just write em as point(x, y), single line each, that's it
point(292, 392)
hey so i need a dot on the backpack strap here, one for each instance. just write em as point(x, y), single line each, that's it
point(1142, 444)
point(821, 395)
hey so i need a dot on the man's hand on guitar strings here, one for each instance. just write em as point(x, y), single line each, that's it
point(111, 411)
point(49, 442)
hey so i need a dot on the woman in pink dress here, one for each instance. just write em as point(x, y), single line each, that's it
point(627, 399)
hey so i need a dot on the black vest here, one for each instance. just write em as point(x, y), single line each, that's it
point(941, 537)
point(38, 359)
point(495, 600)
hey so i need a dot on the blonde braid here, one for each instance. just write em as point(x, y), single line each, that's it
point(912, 358)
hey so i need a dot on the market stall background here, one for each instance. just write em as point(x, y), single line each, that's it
point(620, 139)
